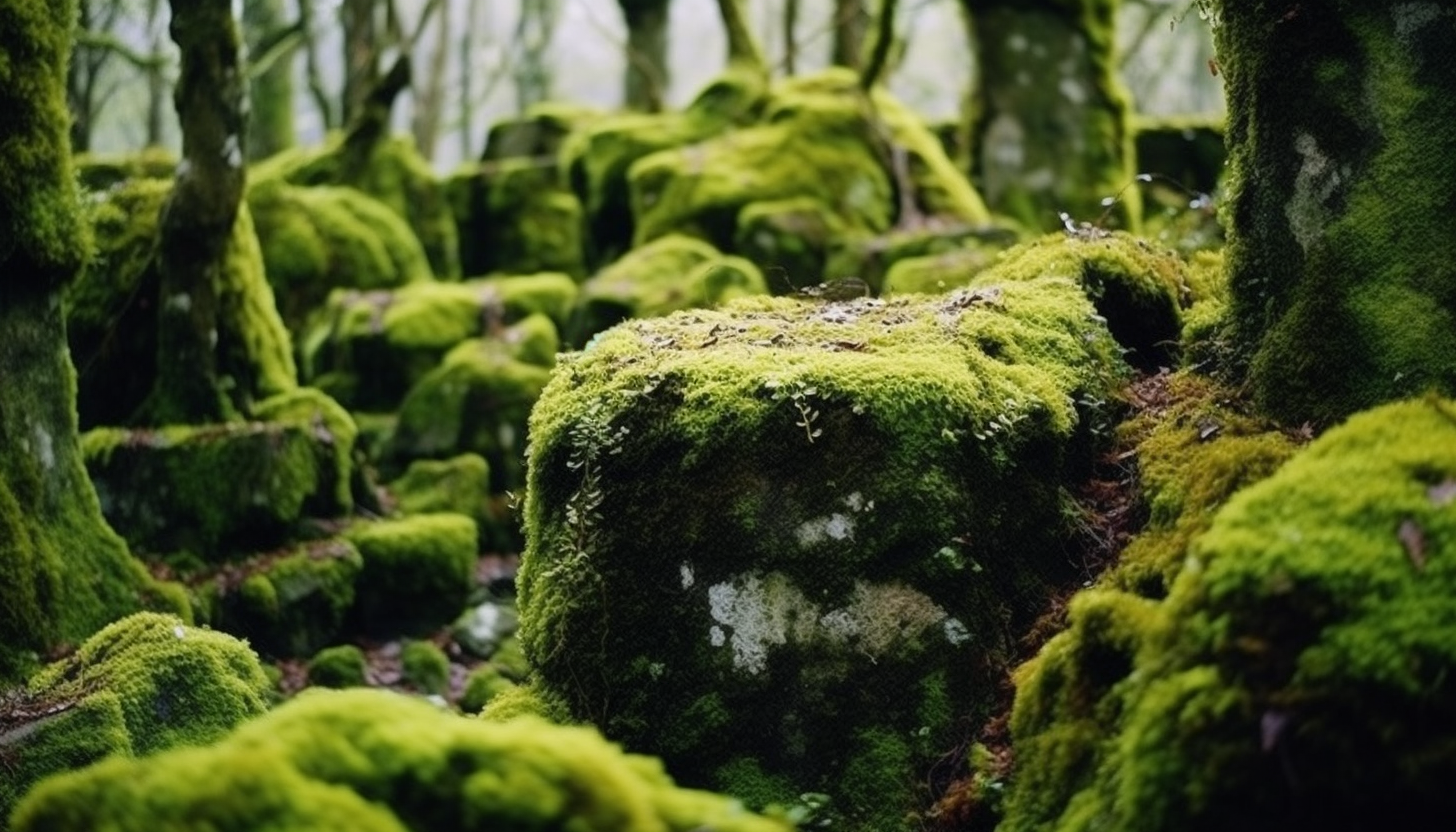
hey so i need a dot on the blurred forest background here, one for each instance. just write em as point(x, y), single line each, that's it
point(477, 62)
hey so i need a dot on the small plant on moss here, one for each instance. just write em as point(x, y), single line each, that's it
point(798, 393)
point(1001, 422)
point(591, 439)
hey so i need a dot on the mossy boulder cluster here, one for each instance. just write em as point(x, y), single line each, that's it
point(787, 544)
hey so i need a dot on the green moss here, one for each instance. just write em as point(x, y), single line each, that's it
point(289, 603)
point(139, 686)
point(459, 485)
point(819, 506)
point(316, 239)
point(418, 572)
point(1339, 185)
point(216, 490)
point(1294, 669)
point(511, 659)
point(484, 684)
point(790, 238)
point(372, 760)
point(529, 701)
point(331, 425)
point(938, 272)
point(671, 273)
point(371, 348)
point(521, 219)
point(871, 258)
point(425, 666)
point(396, 175)
point(101, 172)
point(341, 666)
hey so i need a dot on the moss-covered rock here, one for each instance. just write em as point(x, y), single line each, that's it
point(1294, 673)
point(377, 761)
point(425, 666)
point(477, 401)
point(598, 156)
point(146, 683)
point(790, 238)
point(800, 534)
point(395, 174)
point(1341, 172)
point(369, 348)
point(870, 257)
point(1187, 150)
point(418, 572)
point(939, 272)
point(519, 218)
point(316, 239)
point(459, 485)
point(482, 686)
point(217, 490)
point(286, 603)
point(100, 172)
point(671, 273)
point(341, 666)
point(111, 313)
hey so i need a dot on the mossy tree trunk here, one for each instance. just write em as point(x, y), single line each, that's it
point(63, 572)
point(743, 48)
point(362, 38)
point(270, 111)
point(850, 25)
point(1051, 127)
point(1341, 197)
point(647, 71)
point(198, 218)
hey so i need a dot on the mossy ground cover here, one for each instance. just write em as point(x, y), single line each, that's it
point(784, 544)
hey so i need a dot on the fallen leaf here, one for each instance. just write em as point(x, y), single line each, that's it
point(1414, 541)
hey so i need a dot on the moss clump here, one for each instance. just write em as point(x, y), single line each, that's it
point(425, 666)
point(316, 239)
point(871, 258)
point(341, 666)
point(484, 684)
point(370, 348)
point(1339, 190)
point(460, 484)
point(671, 273)
point(1294, 669)
point(520, 219)
point(371, 760)
point(100, 172)
point(216, 490)
point(817, 505)
point(142, 685)
point(940, 272)
point(395, 174)
point(791, 238)
point(118, 293)
point(290, 603)
point(418, 572)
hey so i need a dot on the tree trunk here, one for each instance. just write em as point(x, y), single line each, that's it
point(1052, 130)
point(66, 573)
point(1341, 193)
point(877, 60)
point(791, 38)
point(198, 219)
point(647, 70)
point(361, 54)
point(532, 72)
point(429, 110)
point(743, 49)
point(851, 22)
point(156, 77)
point(328, 113)
point(270, 112)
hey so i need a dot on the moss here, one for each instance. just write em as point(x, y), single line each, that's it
point(117, 293)
point(101, 172)
point(215, 490)
point(521, 219)
point(510, 658)
point(458, 485)
point(317, 239)
point(529, 701)
point(1188, 149)
point(1294, 669)
point(482, 687)
point(425, 667)
point(1339, 186)
point(790, 238)
point(396, 175)
point(1057, 138)
point(817, 505)
point(668, 274)
point(1140, 289)
point(477, 401)
point(371, 348)
point(372, 760)
point(330, 423)
point(418, 572)
point(341, 666)
point(141, 685)
point(871, 258)
point(289, 603)
point(940, 272)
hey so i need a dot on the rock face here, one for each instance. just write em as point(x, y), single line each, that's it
point(1294, 674)
point(786, 545)
point(375, 761)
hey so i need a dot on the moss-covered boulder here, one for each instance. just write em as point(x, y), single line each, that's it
point(316, 239)
point(940, 272)
point(418, 573)
point(111, 312)
point(144, 684)
point(519, 217)
point(790, 238)
point(382, 762)
point(285, 603)
point(598, 155)
point(477, 401)
point(393, 173)
point(1294, 674)
point(786, 544)
point(668, 274)
point(462, 485)
point(368, 349)
point(341, 666)
point(214, 491)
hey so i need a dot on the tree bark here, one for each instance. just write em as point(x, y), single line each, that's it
point(647, 70)
point(429, 109)
point(361, 54)
point(198, 218)
point(1340, 197)
point(851, 22)
point(743, 48)
point(532, 72)
point(270, 111)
